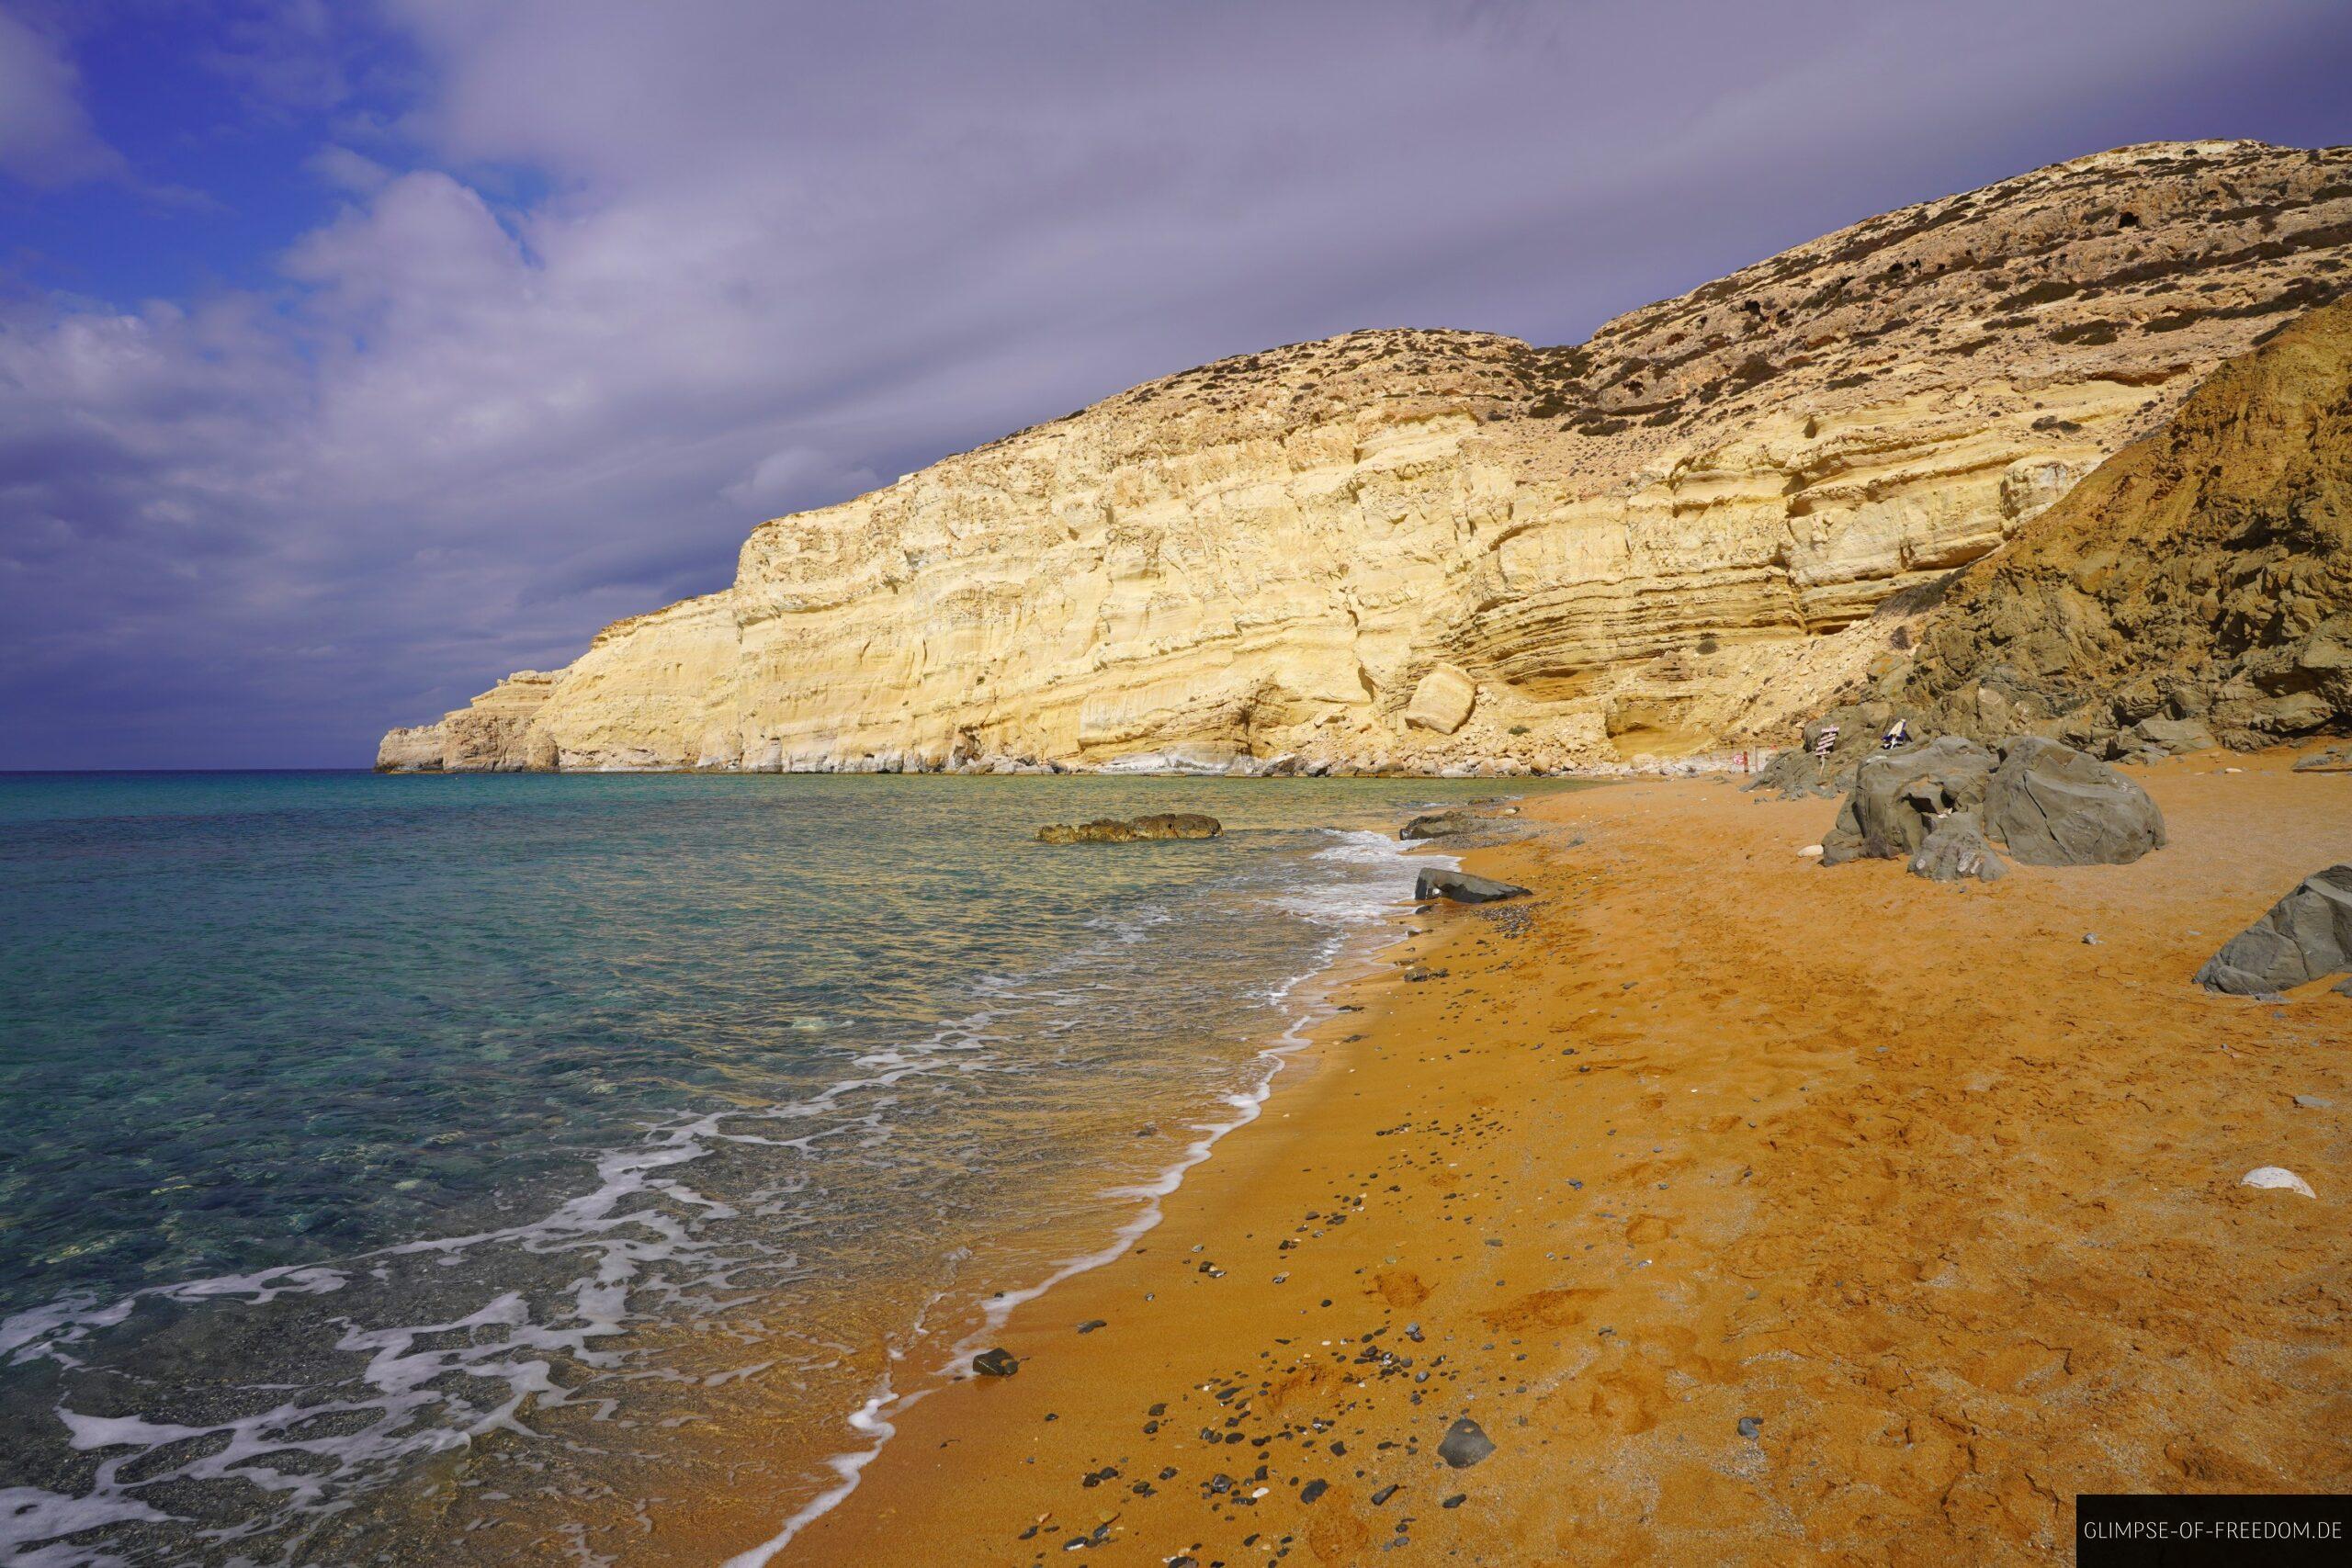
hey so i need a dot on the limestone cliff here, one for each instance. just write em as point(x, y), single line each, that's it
point(2201, 578)
point(1429, 549)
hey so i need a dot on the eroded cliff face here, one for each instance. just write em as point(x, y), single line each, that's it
point(2200, 580)
point(1684, 532)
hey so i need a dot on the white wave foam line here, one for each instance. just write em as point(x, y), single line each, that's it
point(875, 1416)
point(500, 1343)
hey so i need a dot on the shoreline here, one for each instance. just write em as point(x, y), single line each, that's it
point(1951, 1241)
point(1298, 1046)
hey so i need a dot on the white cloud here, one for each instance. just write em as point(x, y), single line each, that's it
point(46, 138)
point(764, 254)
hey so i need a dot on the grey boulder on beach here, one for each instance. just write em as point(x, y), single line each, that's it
point(2305, 936)
point(1942, 805)
point(1464, 889)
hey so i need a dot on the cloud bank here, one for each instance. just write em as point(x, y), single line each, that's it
point(585, 290)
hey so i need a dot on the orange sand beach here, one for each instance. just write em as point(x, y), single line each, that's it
point(1932, 1195)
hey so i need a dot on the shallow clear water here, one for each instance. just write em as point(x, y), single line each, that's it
point(387, 1159)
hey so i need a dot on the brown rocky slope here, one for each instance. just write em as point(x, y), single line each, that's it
point(2203, 575)
point(1431, 550)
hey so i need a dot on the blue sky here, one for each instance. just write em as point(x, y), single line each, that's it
point(352, 355)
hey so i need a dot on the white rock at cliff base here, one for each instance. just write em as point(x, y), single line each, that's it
point(1442, 701)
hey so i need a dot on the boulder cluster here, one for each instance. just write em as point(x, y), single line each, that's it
point(1945, 804)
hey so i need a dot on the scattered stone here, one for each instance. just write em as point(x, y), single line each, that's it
point(1384, 1494)
point(1464, 1445)
point(1811, 851)
point(1312, 1490)
point(995, 1364)
point(2090, 938)
point(2276, 1176)
point(2305, 936)
point(1455, 1501)
point(1090, 1324)
point(1464, 889)
point(2339, 760)
point(1438, 825)
point(1751, 1426)
point(2313, 1103)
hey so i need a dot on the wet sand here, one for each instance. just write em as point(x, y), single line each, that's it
point(1940, 1194)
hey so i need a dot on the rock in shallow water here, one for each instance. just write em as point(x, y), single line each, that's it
point(995, 1364)
point(1111, 831)
point(1464, 889)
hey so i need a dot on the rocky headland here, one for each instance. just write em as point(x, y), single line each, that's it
point(1450, 551)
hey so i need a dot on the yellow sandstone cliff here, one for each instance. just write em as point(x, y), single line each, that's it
point(1431, 550)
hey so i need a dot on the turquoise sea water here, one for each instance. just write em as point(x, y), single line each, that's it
point(392, 1161)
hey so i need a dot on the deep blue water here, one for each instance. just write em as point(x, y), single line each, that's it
point(353, 1120)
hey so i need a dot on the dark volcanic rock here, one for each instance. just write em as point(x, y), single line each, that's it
point(1957, 850)
point(2045, 803)
point(2306, 936)
point(1464, 1445)
point(1465, 888)
point(1899, 796)
point(1438, 824)
point(2052, 806)
point(2153, 738)
point(1793, 776)
point(995, 1364)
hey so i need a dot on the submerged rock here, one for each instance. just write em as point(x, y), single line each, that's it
point(1464, 889)
point(1438, 825)
point(2305, 936)
point(1178, 825)
point(1111, 831)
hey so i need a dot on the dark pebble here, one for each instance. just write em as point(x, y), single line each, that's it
point(1464, 1445)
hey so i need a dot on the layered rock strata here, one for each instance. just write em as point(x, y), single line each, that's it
point(1453, 551)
